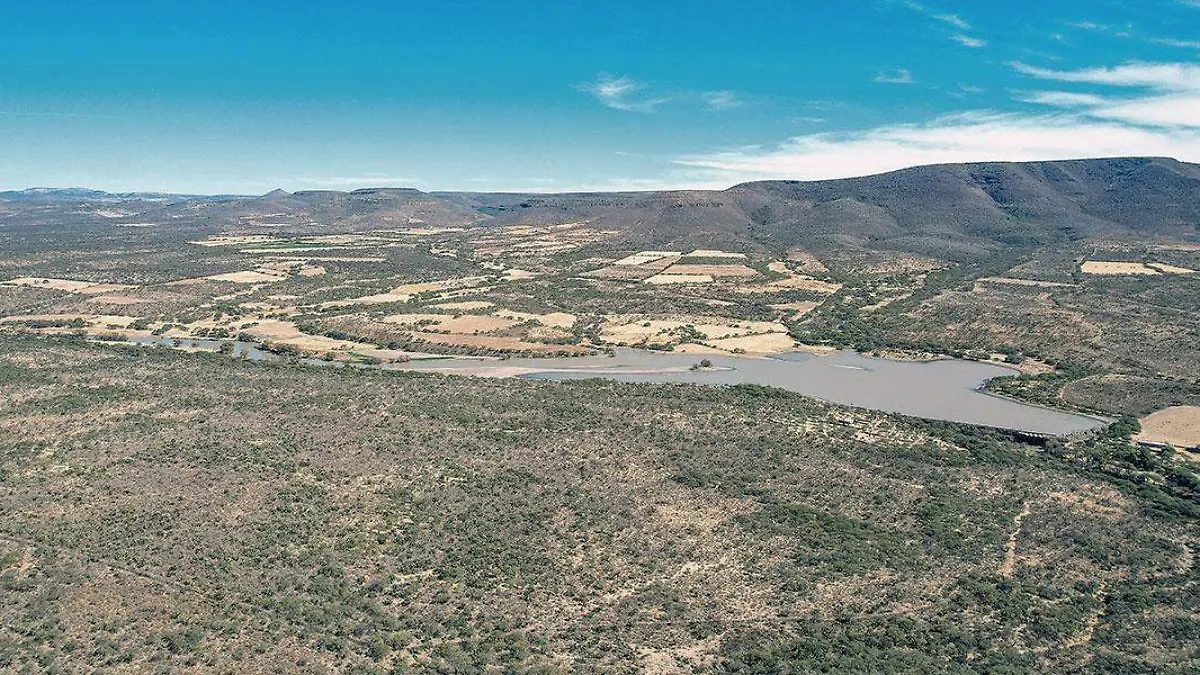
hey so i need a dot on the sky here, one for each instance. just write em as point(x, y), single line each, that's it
point(244, 97)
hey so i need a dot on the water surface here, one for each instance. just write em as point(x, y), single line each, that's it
point(947, 389)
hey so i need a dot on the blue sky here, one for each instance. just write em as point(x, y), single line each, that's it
point(548, 96)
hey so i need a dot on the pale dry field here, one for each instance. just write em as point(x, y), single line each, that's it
point(666, 279)
point(235, 240)
point(644, 257)
point(551, 319)
point(68, 285)
point(248, 277)
point(1109, 267)
point(1023, 282)
point(634, 329)
point(1178, 425)
point(800, 308)
point(799, 282)
point(496, 343)
point(712, 270)
point(715, 253)
point(768, 343)
point(1170, 269)
point(463, 323)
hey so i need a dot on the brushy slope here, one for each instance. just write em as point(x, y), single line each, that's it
point(165, 510)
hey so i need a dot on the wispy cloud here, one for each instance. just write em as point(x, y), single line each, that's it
point(947, 18)
point(1173, 99)
point(1154, 109)
point(1161, 76)
point(952, 20)
point(967, 41)
point(1172, 42)
point(970, 137)
point(1062, 99)
point(721, 100)
point(898, 76)
point(621, 93)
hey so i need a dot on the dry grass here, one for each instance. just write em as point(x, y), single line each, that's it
point(115, 300)
point(68, 285)
point(465, 323)
point(1178, 425)
point(644, 257)
point(466, 306)
point(235, 240)
point(1122, 268)
point(552, 319)
point(712, 270)
point(769, 343)
point(800, 308)
point(715, 253)
point(1022, 282)
point(635, 329)
point(665, 279)
point(496, 343)
point(1170, 269)
point(796, 282)
point(403, 293)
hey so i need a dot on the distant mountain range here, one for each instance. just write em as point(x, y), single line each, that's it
point(41, 194)
point(951, 210)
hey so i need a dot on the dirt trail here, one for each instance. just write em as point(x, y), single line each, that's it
point(1010, 559)
point(1084, 637)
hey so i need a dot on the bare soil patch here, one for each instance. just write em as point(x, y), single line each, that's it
point(465, 323)
point(715, 253)
point(1178, 425)
point(1170, 269)
point(497, 343)
point(1111, 267)
point(644, 257)
point(664, 279)
point(769, 343)
point(68, 285)
point(712, 270)
point(466, 306)
point(115, 300)
point(552, 319)
point(803, 307)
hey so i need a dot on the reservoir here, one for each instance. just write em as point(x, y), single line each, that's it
point(945, 389)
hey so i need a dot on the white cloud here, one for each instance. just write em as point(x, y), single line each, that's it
point(621, 93)
point(1180, 110)
point(898, 76)
point(1161, 76)
point(951, 19)
point(1172, 42)
point(967, 41)
point(1062, 99)
point(1175, 100)
point(721, 100)
point(969, 137)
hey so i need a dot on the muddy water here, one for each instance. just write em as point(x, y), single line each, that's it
point(943, 390)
